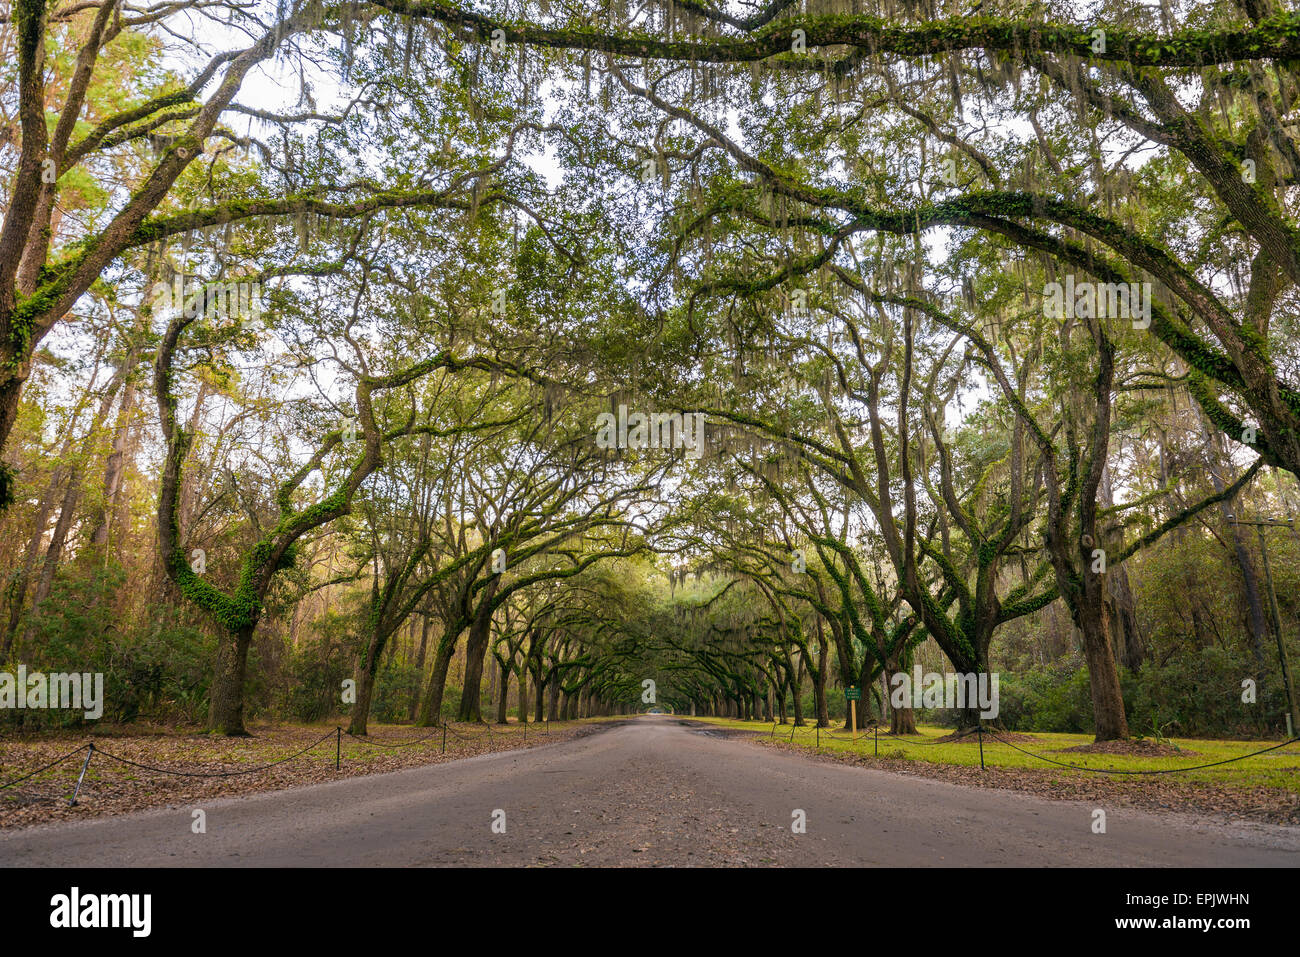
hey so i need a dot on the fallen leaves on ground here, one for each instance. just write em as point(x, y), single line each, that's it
point(1141, 747)
point(973, 737)
point(112, 787)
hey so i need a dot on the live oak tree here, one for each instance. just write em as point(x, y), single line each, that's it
point(343, 458)
point(402, 508)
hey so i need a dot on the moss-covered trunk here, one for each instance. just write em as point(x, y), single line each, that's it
point(226, 697)
point(431, 706)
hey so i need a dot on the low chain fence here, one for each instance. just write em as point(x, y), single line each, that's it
point(877, 734)
point(91, 750)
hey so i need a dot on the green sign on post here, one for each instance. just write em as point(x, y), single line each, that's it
point(852, 694)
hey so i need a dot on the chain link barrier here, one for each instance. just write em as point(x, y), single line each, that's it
point(337, 734)
point(54, 763)
point(212, 774)
point(982, 732)
point(1194, 767)
point(91, 750)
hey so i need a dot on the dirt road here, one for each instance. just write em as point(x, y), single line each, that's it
point(651, 791)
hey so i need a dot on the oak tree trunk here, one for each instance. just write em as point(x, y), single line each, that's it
point(226, 697)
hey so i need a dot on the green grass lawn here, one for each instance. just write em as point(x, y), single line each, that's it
point(1277, 769)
